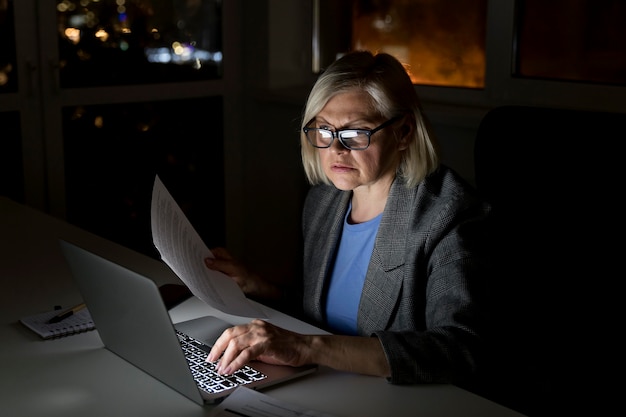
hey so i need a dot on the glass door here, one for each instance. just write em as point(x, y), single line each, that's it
point(21, 160)
point(108, 94)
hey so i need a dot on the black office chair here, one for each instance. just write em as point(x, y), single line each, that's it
point(555, 183)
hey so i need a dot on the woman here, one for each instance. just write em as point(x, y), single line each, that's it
point(392, 253)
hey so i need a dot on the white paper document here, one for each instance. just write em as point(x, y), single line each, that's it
point(247, 402)
point(183, 250)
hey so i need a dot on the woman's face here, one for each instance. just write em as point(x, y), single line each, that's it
point(358, 170)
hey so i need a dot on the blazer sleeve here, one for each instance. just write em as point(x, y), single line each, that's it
point(434, 332)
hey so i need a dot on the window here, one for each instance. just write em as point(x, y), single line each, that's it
point(582, 40)
point(11, 169)
point(117, 42)
point(441, 42)
point(8, 77)
point(98, 96)
point(112, 153)
point(490, 52)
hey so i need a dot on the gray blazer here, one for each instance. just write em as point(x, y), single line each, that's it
point(425, 276)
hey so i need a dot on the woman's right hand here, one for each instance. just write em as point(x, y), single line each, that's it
point(251, 284)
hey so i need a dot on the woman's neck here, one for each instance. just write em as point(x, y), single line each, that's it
point(369, 201)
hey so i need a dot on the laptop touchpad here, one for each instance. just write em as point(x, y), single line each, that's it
point(206, 329)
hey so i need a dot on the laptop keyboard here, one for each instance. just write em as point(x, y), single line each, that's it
point(204, 372)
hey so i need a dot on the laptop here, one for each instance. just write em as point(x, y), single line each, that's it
point(133, 322)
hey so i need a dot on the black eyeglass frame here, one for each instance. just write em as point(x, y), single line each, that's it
point(338, 133)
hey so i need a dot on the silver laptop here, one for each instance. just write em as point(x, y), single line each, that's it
point(133, 323)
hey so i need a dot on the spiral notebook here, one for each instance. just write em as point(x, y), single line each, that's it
point(78, 322)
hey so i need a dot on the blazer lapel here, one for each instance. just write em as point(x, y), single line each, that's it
point(325, 249)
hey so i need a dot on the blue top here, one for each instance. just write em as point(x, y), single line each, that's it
point(348, 275)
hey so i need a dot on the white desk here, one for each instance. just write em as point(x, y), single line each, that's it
point(58, 377)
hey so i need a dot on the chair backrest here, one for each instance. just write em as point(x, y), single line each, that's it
point(554, 180)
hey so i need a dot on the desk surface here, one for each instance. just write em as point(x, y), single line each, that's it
point(77, 376)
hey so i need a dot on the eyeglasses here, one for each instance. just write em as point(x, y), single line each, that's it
point(353, 139)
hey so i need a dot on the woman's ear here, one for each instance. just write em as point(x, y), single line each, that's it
point(405, 135)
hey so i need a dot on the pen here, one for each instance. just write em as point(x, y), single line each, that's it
point(67, 313)
point(235, 412)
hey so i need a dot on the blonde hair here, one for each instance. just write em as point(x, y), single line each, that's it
point(388, 84)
